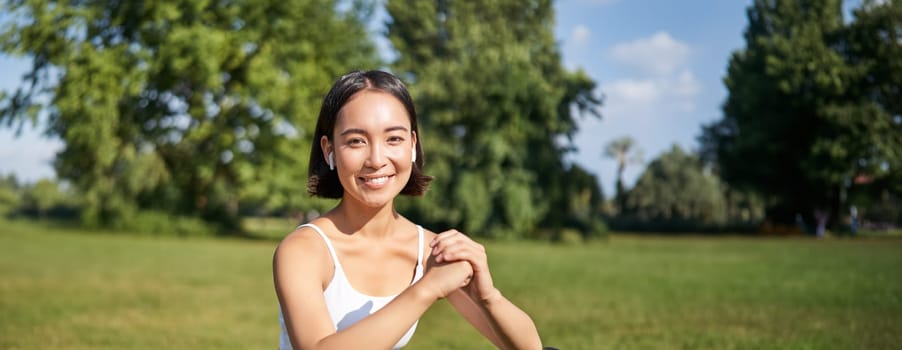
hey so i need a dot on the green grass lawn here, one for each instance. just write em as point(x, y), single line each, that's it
point(67, 288)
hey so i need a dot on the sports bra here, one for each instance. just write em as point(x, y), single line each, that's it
point(345, 304)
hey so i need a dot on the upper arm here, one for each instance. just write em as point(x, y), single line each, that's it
point(300, 265)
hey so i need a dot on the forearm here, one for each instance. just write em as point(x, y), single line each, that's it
point(385, 327)
point(513, 327)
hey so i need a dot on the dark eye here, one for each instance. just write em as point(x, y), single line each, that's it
point(395, 139)
point(356, 142)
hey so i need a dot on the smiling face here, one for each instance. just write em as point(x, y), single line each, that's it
point(372, 143)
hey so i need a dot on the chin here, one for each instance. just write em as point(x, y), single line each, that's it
point(376, 201)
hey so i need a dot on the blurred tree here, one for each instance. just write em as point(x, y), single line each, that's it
point(44, 195)
point(675, 192)
point(10, 194)
point(873, 42)
point(497, 110)
point(585, 204)
point(625, 151)
point(801, 119)
point(183, 106)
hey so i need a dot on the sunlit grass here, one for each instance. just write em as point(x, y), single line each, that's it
point(66, 288)
point(76, 290)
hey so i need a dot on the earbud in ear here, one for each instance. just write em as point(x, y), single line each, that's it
point(413, 155)
point(331, 161)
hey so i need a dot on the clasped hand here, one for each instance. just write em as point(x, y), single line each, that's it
point(458, 262)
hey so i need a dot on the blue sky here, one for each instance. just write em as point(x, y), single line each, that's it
point(659, 63)
point(660, 66)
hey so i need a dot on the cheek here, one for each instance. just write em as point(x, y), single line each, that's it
point(402, 158)
point(350, 160)
point(397, 153)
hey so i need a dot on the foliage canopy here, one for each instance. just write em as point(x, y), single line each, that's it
point(813, 103)
point(181, 106)
point(498, 111)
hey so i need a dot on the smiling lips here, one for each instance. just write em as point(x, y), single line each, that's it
point(376, 182)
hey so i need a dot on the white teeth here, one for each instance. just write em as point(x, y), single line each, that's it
point(378, 180)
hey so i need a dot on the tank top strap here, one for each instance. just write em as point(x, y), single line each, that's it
point(328, 243)
point(421, 245)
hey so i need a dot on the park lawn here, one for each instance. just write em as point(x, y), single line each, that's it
point(68, 288)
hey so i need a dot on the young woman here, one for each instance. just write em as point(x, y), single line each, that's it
point(361, 275)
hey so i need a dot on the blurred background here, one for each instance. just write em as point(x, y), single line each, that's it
point(747, 141)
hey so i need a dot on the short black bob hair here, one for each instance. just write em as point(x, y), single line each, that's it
point(321, 181)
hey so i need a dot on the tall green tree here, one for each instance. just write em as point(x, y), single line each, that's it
point(183, 106)
point(872, 44)
point(497, 111)
point(799, 121)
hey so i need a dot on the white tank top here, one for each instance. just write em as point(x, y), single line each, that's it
point(346, 305)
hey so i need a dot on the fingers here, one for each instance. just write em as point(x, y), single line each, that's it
point(456, 253)
point(443, 236)
point(448, 277)
point(453, 245)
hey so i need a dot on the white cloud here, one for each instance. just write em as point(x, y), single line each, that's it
point(658, 54)
point(661, 89)
point(580, 35)
point(633, 91)
point(663, 81)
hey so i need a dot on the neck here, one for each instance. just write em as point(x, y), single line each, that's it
point(351, 217)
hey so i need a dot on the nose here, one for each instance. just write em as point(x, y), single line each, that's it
point(377, 158)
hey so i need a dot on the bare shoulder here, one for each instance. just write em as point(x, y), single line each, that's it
point(302, 267)
point(303, 239)
point(303, 252)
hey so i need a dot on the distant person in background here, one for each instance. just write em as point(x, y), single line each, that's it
point(820, 220)
point(853, 216)
point(361, 275)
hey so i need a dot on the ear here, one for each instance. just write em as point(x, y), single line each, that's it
point(326, 146)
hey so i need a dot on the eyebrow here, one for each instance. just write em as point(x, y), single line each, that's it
point(361, 131)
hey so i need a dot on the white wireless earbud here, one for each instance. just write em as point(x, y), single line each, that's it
point(331, 161)
point(413, 155)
